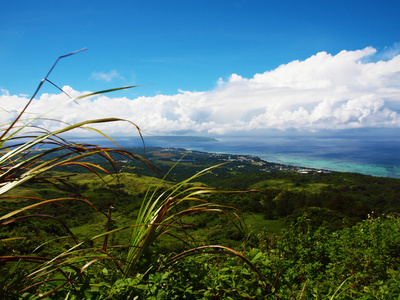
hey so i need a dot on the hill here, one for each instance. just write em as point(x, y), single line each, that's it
point(307, 232)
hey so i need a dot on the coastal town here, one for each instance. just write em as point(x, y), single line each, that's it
point(237, 162)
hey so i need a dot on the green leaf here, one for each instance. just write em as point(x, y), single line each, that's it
point(161, 295)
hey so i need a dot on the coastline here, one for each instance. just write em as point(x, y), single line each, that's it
point(378, 157)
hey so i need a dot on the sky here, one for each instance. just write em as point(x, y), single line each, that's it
point(209, 67)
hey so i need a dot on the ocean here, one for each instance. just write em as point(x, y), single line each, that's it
point(377, 156)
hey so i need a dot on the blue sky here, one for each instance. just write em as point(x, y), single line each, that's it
point(209, 67)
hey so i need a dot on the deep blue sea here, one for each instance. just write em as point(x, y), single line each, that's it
point(377, 156)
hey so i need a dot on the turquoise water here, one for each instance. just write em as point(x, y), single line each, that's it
point(337, 165)
point(377, 156)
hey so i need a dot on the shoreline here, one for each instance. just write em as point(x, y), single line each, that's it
point(376, 158)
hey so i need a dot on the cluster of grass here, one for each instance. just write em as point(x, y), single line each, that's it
point(45, 259)
point(305, 261)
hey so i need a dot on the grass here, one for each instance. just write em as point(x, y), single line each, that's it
point(256, 223)
point(58, 264)
point(285, 184)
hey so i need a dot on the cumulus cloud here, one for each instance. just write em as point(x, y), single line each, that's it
point(324, 92)
point(106, 76)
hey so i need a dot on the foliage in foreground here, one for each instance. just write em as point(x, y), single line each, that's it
point(69, 271)
point(361, 262)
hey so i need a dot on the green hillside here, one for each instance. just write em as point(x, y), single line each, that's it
point(317, 235)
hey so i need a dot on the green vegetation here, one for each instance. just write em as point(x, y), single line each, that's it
point(84, 222)
point(41, 256)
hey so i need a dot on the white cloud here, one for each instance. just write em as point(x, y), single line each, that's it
point(390, 52)
point(323, 92)
point(4, 92)
point(106, 76)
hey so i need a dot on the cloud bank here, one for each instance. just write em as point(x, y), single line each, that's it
point(324, 92)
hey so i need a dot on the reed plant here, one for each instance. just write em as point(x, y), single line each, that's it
point(162, 211)
point(22, 162)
